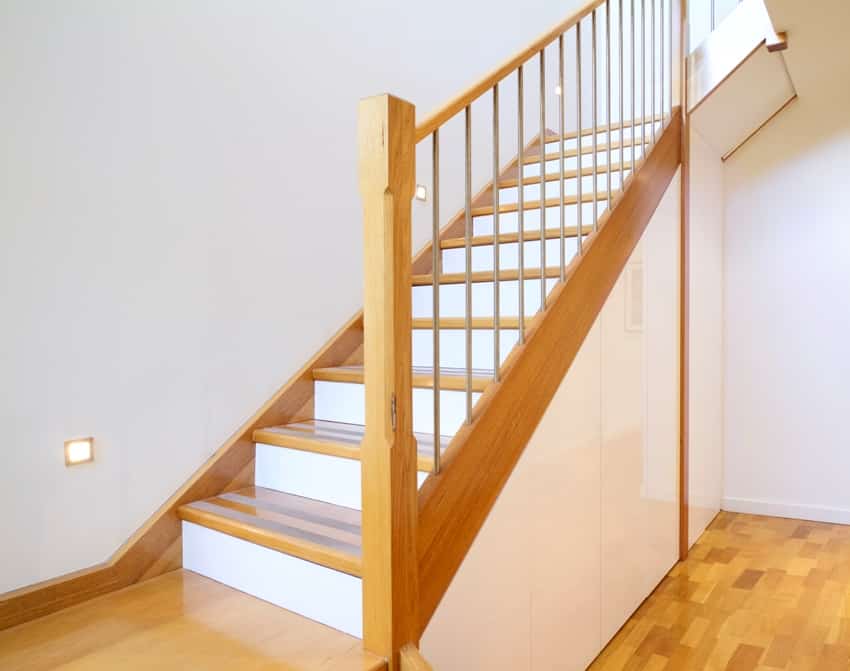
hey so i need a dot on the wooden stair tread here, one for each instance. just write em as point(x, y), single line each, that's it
point(450, 378)
point(606, 127)
point(504, 238)
point(338, 439)
point(485, 276)
point(456, 323)
point(317, 531)
point(533, 155)
point(506, 208)
point(508, 182)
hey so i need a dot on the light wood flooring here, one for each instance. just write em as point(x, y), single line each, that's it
point(180, 622)
point(756, 593)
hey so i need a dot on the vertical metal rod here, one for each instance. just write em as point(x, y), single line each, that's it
point(643, 78)
point(561, 111)
point(610, 134)
point(713, 16)
point(542, 179)
point(670, 56)
point(468, 265)
point(622, 123)
point(436, 273)
point(595, 129)
point(521, 206)
point(579, 150)
point(496, 349)
point(652, 84)
point(634, 81)
point(662, 81)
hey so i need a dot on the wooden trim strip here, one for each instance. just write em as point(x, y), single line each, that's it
point(467, 97)
point(684, 296)
point(759, 129)
point(454, 504)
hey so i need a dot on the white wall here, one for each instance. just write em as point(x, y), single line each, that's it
point(705, 393)
point(587, 524)
point(787, 277)
point(180, 228)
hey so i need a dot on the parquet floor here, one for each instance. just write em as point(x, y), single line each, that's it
point(756, 593)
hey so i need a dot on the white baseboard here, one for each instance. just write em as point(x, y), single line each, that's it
point(797, 511)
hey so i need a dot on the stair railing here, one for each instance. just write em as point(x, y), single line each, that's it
point(600, 49)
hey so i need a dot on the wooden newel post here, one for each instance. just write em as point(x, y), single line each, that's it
point(388, 452)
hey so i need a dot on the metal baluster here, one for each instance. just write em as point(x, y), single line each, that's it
point(436, 273)
point(579, 126)
point(610, 134)
point(634, 92)
point(521, 206)
point(622, 123)
point(713, 16)
point(595, 129)
point(496, 348)
point(542, 180)
point(468, 269)
point(643, 78)
point(670, 56)
point(561, 147)
point(652, 82)
point(661, 79)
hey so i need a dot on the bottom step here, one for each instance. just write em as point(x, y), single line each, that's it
point(317, 592)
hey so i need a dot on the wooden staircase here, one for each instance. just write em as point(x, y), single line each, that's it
point(353, 495)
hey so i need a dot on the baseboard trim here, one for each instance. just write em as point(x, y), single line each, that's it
point(798, 511)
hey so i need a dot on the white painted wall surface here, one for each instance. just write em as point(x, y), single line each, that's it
point(180, 227)
point(786, 284)
point(588, 522)
point(705, 448)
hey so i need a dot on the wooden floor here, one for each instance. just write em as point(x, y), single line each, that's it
point(180, 621)
point(756, 593)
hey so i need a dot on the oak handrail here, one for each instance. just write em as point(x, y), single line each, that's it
point(460, 101)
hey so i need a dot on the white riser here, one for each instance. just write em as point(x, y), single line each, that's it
point(453, 347)
point(509, 195)
point(344, 402)
point(314, 476)
point(509, 221)
point(571, 162)
point(317, 592)
point(454, 260)
point(602, 136)
point(453, 298)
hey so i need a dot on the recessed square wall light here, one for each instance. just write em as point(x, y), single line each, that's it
point(79, 451)
point(421, 192)
point(558, 90)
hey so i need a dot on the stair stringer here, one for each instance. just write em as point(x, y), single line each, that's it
point(454, 504)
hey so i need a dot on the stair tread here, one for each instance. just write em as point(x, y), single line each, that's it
point(317, 531)
point(339, 439)
point(604, 128)
point(485, 276)
point(506, 208)
point(423, 377)
point(533, 155)
point(504, 238)
point(531, 180)
point(456, 323)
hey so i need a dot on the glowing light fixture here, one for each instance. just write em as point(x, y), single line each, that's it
point(421, 192)
point(79, 451)
point(558, 90)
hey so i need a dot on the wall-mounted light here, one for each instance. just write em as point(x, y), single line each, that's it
point(421, 192)
point(558, 90)
point(79, 451)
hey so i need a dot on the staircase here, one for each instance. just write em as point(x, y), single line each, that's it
point(294, 538)
point(353, 495)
